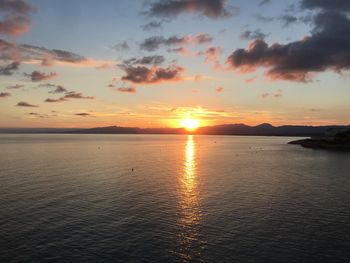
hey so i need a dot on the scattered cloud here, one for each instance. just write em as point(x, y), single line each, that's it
point(219, 89)
point(127, 89)
point(288, 19)
point(59, 89)
point(29, 54)
point(15, 17)
point(264, 2)
point(154, 74)
point(152, 25)
point(155, 42)
point(25, 104)
point(83, 114)
point(47, 85)
point(4, 94)
point(256, 34)
point(122, 46)
point(208, 8)
point(77, 95)
point(250, 80)
point(40, 76)
point(277, 94)
point(265, 95)
point(328, 48)
point(38, 115)
point(147, 60)
point(68, 95)
point(212, 55)
point(55, 100)
point(8, 70)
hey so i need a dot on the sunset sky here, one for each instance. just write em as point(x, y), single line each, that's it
point(85, 63)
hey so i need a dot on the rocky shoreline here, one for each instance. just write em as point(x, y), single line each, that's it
point(334, 139)
point(322, 144)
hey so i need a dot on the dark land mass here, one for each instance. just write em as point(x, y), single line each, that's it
point(339, 142)
point(227, 129)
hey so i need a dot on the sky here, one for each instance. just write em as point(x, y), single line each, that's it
point(153, 63)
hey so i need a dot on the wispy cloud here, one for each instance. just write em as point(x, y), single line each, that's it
point(155, 42)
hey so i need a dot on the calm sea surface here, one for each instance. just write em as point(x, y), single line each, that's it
point(150, 198)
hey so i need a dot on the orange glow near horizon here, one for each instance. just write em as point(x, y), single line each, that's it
point(190, 124)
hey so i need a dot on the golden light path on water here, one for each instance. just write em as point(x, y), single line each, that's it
point(190, 212)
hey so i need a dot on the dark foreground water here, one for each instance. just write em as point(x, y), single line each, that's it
point(146, 198)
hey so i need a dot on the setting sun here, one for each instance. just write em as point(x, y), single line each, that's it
point(190, 124)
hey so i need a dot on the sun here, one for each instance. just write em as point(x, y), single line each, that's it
point(190, 124)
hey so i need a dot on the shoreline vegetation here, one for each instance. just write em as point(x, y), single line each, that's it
point(336, 140)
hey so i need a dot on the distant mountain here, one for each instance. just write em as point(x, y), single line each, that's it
point(129, 130)
point(37, 130)
point(264, 129)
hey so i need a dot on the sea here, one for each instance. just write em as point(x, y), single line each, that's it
point(171, 198)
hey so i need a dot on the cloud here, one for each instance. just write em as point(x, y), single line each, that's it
point(219, 89)
point(25, 104)
point(55, 100)
point(29, 54)
point(256, 34)
point(155, 74)
point(83, 114)
point(38, 115)
point(70, 95)
point(265, 95)
point(127, 89)
point(209, 8)
point(152, 26)
point(180, 50)
point(250, 80)
point(15, 17)
point(59, 89)
point(40, 76)
point(122, 46)
point(288, 19)
point(4, 94)
point(9, 69)
point(147, 60)
point(333, 5)
point(328, 48)
point(155, 42)
point(47, 85)
point(17, 86)
point(277, 94)
point(77, 95)
point(212, 55)
point(264, 2)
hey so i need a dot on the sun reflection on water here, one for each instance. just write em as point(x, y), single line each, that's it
point(190, 212)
